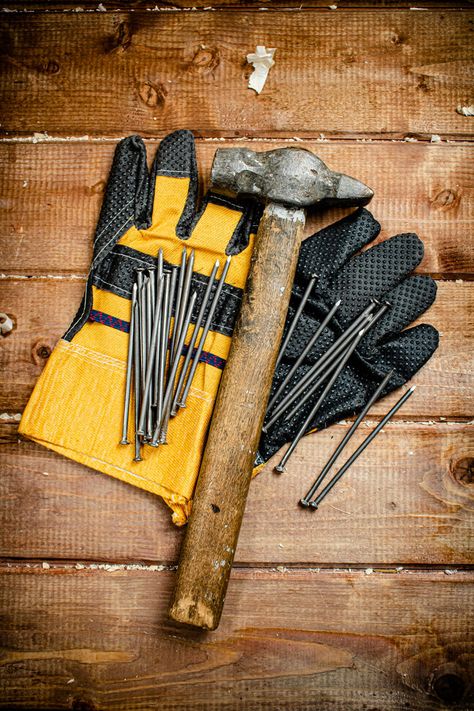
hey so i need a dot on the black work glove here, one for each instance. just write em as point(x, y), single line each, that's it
point(382, 272)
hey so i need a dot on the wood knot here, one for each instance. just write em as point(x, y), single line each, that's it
point(396, 38)
point(98, 188)
point(462, 470)
point(445, 199)
point(152, 94)
point(121, 39)
point(48, 67)
point(449, 684)
point(40, 352)
point(205, 60)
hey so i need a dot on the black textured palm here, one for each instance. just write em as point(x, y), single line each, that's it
point(382, 272)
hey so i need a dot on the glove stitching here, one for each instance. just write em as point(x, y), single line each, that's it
point(112, 220)
point(83, 353)
point(94, 263)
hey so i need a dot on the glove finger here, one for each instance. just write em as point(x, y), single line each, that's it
point(127, 180)
point(409, 299)
point(375, 272)
point(327, 250)
point(170, 203)
point(409, 351)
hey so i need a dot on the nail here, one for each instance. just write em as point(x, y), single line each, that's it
point(304, 353)
point(137, 381)
point(205, 331)
point(192, 342)
point(295, 320)
point(374, 397)
point(320, 401)
point(179, 298)
point(361, 448)
point(162, 428)
point(145, 410)
point(128, 380)
point(328, 357)
point(180, 317)
point(162, 348)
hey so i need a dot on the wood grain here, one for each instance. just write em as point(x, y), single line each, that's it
point(209, 545)
point(366, 72)
point(42, 310)
point(151, 5)
point(407, 501)
point(93, 639)
point(52, 194)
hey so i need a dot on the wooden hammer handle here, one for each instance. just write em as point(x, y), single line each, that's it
point(218, 506)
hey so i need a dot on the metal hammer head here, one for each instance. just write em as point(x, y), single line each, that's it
point(290, 176)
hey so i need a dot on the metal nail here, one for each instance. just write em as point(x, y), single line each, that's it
point(192, 342)
point(328, 357)
point(332, 363)
point(162, 349)
point(295, 320)
point(205, 331)
point(162, 428)
point(179, 299)
point(179, 318)
point(145, 410)
point(374, 397)
point(281, 466)
point(128, 380)
point(137, 381)
point(314, 504)
point(304, 353)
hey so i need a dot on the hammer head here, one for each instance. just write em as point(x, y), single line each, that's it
point(290, 176)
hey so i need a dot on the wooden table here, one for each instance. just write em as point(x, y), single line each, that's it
point(366, 605)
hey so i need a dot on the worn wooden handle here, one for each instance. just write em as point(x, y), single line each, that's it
point(226, 469)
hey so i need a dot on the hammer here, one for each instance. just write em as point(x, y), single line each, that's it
point(288, 180)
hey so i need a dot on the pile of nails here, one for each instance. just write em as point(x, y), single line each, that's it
point(325, 371)
point(157, 344)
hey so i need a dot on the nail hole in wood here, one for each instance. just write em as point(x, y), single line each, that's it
point(215, 508)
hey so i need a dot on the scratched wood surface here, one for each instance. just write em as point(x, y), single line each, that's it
point(420, 187)
point(353, 71)
point(367, 604)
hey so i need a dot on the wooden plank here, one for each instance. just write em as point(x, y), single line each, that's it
point(406, 501)
point(358, 72)
point(93, 639)
point(52, 195)
point(150, 5)
point(42, 309)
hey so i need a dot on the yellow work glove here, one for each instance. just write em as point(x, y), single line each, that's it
point(76, 407)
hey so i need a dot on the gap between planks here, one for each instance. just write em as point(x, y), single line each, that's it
point(12, 565)
point(215, 137)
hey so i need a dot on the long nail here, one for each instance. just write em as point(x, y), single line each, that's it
point(281, 466)
point(181, 315)
point(128, 381)
point(150, 317)
point(179, 299)
point(304, 353)
point(146, 398)
point(192, 342)
point(295, 320)
point(329, 367)
point(360, 449)
point(158, 288)
point(328, 357)
point(205, 331)
point(137, 381)
point(374, 397)
point(161, 428)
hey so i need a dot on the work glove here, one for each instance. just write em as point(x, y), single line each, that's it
point(382, 272)
point(77, 405)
